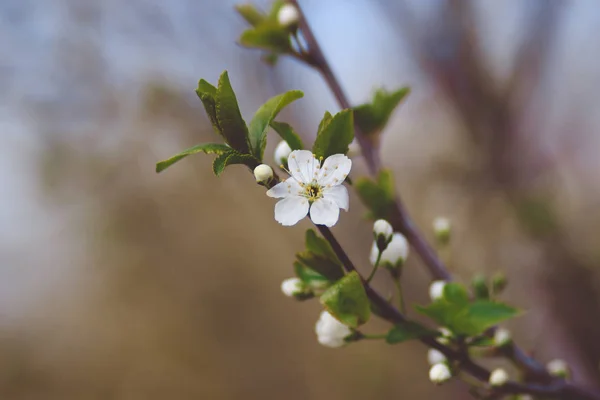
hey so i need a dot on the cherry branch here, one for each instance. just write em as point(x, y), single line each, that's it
point(401, 221)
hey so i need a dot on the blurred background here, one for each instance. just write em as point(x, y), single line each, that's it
point(118, 283)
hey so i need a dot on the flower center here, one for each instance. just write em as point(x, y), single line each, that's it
point(313, 191)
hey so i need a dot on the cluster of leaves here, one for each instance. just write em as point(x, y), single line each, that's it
point(266, 33)
point(344, 297)
point(465, 316)
point(244, 144)
point(371, 118)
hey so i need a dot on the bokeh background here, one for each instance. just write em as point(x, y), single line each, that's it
point(118, 283)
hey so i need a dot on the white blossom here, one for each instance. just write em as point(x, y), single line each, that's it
point(292, 287)
point(439, 373)
point(312, 186)
point(282, 152)
point(330, 331)
point(382, 228)
point(435, 357)
point(288, 15)
point(558, 368)
point(498, 377)
point(502, 337)
point(441, 229)
point(263, 173)
point(436, 290)
point(395, 253)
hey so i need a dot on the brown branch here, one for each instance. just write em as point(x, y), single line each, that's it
point(401, 221)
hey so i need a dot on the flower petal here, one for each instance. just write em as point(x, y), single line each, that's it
point(290, 210)
point(339, 194)
point(303, 165)
point(289, 187)
point(334, 170)
point(324, 212)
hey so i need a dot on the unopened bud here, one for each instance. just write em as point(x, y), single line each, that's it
point(480, 287)
point(288, 15)
point(383, 231)
point(292, 287)
point(558, 368)
point(439, 373)
point(282, 152)
point(502, 337)
point(263, 173)
point(499, 283)
point(436, 290)
point(395, 253)
point(441, 229)
point(446, 337)
point(498, 377)
point(435, 357)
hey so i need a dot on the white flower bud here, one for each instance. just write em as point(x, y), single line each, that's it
point(288, 15)
point(441, 229)
point(383, 228)
point(282, 152)
point(263, 173)
point(436, 290)
point(330, 331)
point(558, 368)
point(292, 287)
point(435, 357)
point(498, 377)
point(502, 337)
point(446, 336)
point(395, 253)
point(439, 373)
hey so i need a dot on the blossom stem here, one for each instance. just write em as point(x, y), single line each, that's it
point(373, 336)
point(375, 267)
point(401, 303)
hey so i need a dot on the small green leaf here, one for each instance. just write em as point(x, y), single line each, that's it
point(208, 148)
point(233, 127)
point(335, 136)
point(481, 315)
point(264, 116)
point(347, 300)
point(456, 293)
point(250, 14)
point(468, 319)
point(267, 36)
point(233, 157)
point(287, 133)
point(319, 246)
point(372, 117)
point(324, 122)
point(207, 93)
point(308, 275)
point(323, 265)
point(408, 330)
point(378, 196)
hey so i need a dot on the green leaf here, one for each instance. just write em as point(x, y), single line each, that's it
point(267, 36)
point(379, 196)
point(250, 14)
point(456, 293)
point(264, 116)
point(481, 315)
point(372, 117)
point(468, 319)
point(287, 133)
point(208, 148)
point(233, 127)
point(324, 122)
point(233, 157)
point(347, 301)
point(207, 93)
point(323, 265)
point(335, 135)
point(319, 246)
point(308, 275)
point(408, 330)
